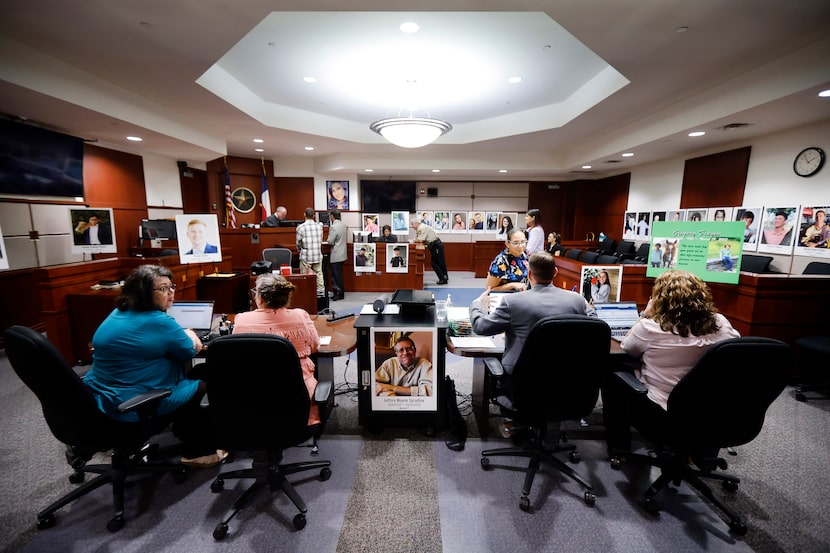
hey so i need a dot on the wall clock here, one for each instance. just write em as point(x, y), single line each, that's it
point(243, 200)
point(809, 161)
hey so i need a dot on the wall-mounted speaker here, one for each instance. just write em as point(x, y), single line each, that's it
point(432, 192)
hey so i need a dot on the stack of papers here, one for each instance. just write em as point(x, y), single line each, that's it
point(459, 321)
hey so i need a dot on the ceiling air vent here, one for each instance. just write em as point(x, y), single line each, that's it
point(612, 161)
point(734, 126)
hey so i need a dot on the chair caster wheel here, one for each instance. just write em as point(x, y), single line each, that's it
point(299, 521)
point(575, 457)
point(729, 485)
point(650, 506)
point(524, 504)
point(737, 527)
point(46, 522)
point(325, 474)
point(77, 477)
point(217, 485)
point(220, 531)
point(590, 498)
point(616, 463)
point(485, 463)
point(116, 523)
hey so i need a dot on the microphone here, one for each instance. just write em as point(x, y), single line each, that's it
point(379, 305)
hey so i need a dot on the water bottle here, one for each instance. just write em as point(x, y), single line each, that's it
point(449, 301)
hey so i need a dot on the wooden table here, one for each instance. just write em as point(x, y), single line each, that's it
point(480, 399)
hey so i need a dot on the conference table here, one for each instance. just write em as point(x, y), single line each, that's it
point(480, 347)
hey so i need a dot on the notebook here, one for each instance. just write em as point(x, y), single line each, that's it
point(620, 316)
point(196, 315)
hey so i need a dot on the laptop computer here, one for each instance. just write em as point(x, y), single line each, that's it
point(620, 316)
point(196, 315)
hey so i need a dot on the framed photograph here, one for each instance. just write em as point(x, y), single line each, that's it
point(697, 214)
point(507, 221)
point(720, 214)
point(657, 216)
point(751, 217)
point(476, 221)
point(630, 224)
point(370, 224)
point(492, 221)
point(426, 218)
point(459, 221)
point(364, 257)
point(814, 232)
point(92, 230)
point(403, 361)
point(676, 215)
point(778, 229)
point(4, 260)
point(396, 258)
point(601, 283)
point(400, 222)
point(199, 238)
point(643, 224)
point(337, 194)
point(441, 221)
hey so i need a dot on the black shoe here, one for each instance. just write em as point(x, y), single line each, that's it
point(341, 296)
point(442, 281)
point(335, 297)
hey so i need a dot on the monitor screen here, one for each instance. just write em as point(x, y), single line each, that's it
point(388, 196)
point(158, 229)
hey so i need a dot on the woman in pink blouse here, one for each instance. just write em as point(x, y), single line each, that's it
point(271, 316)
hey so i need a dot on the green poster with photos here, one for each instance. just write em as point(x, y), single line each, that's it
point(710, 249)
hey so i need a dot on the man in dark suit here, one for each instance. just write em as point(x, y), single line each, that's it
point(275, 218)
point(94, 233)
point(197, 234)
point(518, 312)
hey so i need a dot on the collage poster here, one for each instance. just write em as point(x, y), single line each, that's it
point(710, 249)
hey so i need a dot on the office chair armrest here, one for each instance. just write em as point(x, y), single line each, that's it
point(494, 366)
point(142, 401)
point(323, 391)
point(632, 382)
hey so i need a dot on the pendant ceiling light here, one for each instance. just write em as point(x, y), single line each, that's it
point(411, 132)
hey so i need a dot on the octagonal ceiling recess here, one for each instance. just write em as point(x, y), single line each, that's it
point(455, 68)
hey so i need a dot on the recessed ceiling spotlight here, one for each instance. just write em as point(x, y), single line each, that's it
point(436, 170)
point(310, 79)
point(628, 154)
point(258, 140)
point(586, 166)
point(409, 27)
point(680, 30)
point(369, 170)
point(824, 93)
point(259, 150)
point(134, 138)
point(514, 80)
point(502, 170)
point(697, 133)
point(309, 148)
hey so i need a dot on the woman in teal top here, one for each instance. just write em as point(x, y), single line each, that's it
point(139, 347)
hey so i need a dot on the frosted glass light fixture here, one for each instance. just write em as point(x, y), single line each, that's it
point(411, 132)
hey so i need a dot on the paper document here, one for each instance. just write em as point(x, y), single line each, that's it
point(482, 342)
point(390, 309)
point(325, 340)
point(458, 313)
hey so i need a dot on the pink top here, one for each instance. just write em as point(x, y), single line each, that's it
point(667, 357)
point(297, 327)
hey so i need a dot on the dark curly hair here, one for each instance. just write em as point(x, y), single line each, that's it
point(137, 292)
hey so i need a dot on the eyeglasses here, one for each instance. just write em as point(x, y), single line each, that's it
point(521, 244)
point(404, 348)
point(166, 289)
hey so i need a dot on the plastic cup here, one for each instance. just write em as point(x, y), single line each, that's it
point(441, 310)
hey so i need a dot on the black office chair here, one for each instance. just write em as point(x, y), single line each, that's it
point(813, 358)
point(545, 388)
point(607, 259)
point(72, 413)
point(277, 256)
point(259, 403)
point(573, 253)
point(642, 253)
point(608, 246)
point(625, 249)
point(720, 403)
point(589, 257)
point(755, 263)
point(816, 268)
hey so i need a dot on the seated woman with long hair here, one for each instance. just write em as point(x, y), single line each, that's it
point(272, 316)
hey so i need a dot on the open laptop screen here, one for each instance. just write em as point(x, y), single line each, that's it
point(197, 315)
point(620, 316)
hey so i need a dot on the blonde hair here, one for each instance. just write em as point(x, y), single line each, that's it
point(681, 303)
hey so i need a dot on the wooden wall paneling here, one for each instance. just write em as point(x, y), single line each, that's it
point(194, 189)
point(551, 198)
point(296, 194)
point(459, 255)
point(113, 179)
point(19, 300)
point(715, 180)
